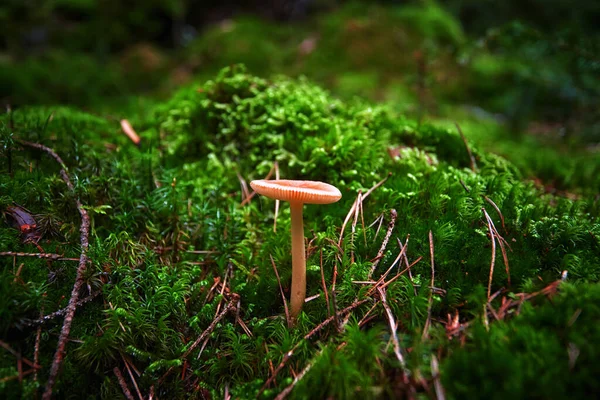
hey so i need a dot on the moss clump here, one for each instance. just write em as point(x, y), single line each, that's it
point(171, 244)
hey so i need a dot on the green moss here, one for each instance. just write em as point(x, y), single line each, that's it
point(153, 207)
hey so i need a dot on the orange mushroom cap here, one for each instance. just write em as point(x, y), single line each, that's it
point(306, 192)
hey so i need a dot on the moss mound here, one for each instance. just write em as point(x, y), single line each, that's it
point(178, 253)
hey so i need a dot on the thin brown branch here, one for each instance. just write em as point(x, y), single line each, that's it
point(493, 262)
point(130, 132)
point(430, 301)
point(253, 193)
point(393, 329)
point(288, 355)
point(464, 139)
point(83, 259)
point(323, 283)
point(285, 306)
point(123, 384)
point(440, 393)
point(50, 256)
point(392, 223)
point(497, 210)
point(285, 392)
point(36, 351)
point(501, 241)
point(135, 385)
point(231, 305)
point(42, 320)
point(355, 205)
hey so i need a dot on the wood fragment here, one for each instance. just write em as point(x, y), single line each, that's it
point(464, 139)
point(392, 223)
point(130, 132)
point(440, 393)
point(50, 256)
point(123, 384)
point(83, 260)
point(285, 306)
point(393, 330)
point(430, 301)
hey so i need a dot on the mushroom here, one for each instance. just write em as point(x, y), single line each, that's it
point(297, 193)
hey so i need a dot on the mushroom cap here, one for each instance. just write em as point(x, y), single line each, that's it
point(306, 192)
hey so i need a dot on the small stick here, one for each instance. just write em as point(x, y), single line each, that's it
point(322, 283)
point(316, 329)
point(502, 242)
point(440, 393)
point(123, 384)
point(135, 385)
point(497, 210)
point(393, 329)
point(384, 244)
point(430, 301)
point(50, 256)
point(355, 204)
point(285, 306)
point(493, 238)
point(36, 351)
point(462, 135)
point(253, 193)
point(230, 306)
point(285, 392)
point(46, 318)
point(130, 132)
point(83, 259)
point(243, 185)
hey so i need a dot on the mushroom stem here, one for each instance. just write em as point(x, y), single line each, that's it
point(298, 292)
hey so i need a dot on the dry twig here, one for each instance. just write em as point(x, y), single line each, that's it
point(430, 301)
point(123, 384)
point(285, 306)
point(83, 259)
point(471, 157)
point(386, 239)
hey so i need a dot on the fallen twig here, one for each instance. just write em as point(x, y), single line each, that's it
point(430, 301)
point(50, 256)
point(123, 384)
point(393, 330)
point(285, 306)
point(83, 259)
point(393, 215)
point(130, 132)
point(440, 393)
point(471, 157)
point(46, 318)
point(230, 306)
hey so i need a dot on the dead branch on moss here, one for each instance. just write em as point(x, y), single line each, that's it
point(285, 392)
point(83, 259)
point(386, 239)
point(123, 384)
point(287, 356)
point(45, 318)
point(393, 330)
point(464, 139)
point(497, 210)
point(285, 306)
point(502, 242)
point(355, 205)
point(430, 301)
point(49, 256)
point(130, 132)
point(253, 193)
point(231, 305)
point(440, 393)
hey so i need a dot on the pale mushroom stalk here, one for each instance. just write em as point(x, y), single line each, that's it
point(297, 193)
point(298, 293)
